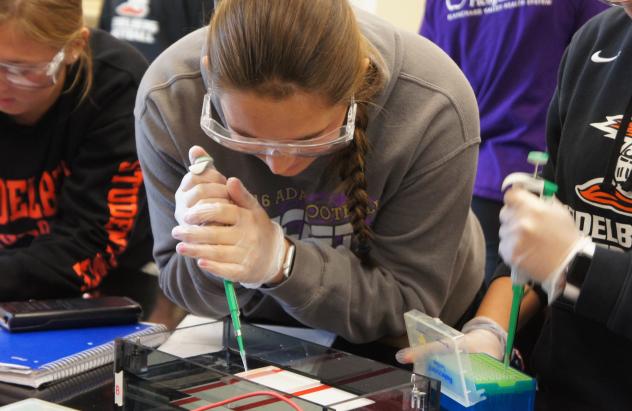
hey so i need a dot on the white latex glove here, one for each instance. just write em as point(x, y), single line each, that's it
point(235, 241)
point(538, 238)
point(480, 335)
point(207, 187)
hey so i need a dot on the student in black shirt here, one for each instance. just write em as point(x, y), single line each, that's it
point(72, 202)
point(579, 249)
point(153, 25)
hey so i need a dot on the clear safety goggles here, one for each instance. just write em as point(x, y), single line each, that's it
point(32, 76)
point(312, 147)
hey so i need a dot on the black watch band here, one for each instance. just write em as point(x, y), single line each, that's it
point(578, 269)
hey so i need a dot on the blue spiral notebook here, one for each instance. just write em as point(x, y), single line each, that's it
point(36, 357)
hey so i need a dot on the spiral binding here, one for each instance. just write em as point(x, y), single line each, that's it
point(94, 357)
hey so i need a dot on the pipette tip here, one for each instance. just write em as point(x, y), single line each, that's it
point(243, 360)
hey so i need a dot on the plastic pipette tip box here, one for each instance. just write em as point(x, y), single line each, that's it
point(468, 381)
point(504, 388)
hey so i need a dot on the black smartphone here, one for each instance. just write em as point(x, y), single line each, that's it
point(68, 313)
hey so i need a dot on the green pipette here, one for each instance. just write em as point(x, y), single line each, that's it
point(546, 189)
point(518, 293)
point(198, 167)
point(233, 306)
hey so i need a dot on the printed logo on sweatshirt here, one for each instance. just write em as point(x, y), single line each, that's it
point(597, 58)
point(459, 9)
point(33, 199)
point(321, 216)
point(609, 233)
point(620, 201)
point(131, 24)
point(133, 8)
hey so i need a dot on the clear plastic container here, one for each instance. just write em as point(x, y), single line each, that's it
point(473, 381)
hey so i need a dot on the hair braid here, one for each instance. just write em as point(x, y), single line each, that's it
point(354, 184)
point(352, 165)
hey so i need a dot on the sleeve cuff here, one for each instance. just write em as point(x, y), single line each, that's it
point(302, 286)
point(602, 285)
point(502, 270)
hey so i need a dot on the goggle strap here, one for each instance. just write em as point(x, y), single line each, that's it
point(54, 65)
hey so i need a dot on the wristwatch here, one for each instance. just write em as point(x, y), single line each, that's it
point(569, 279)
point(288, 262)
point(578, 268)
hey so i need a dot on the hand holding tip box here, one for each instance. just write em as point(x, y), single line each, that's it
point(480, 335)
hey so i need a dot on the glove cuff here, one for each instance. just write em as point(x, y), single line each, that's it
point(278, 255)
point(554, 283)
point(486, 323)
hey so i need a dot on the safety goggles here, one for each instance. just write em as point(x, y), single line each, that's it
point(32, 76)
point(312, 147)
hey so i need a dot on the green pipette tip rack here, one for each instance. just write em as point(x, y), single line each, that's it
point(472, 381)
point(495, 378)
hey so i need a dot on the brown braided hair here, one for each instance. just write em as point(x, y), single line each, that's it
point(279, 47)
point(352, 167)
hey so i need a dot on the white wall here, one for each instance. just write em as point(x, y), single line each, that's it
point(406, 14)
point(91, 11)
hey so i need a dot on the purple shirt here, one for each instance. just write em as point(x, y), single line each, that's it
point(510, 53)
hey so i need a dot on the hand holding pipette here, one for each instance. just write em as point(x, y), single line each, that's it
point(544, 189)
point(200, 165)
point(538, 239)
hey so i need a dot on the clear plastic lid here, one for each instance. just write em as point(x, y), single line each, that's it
point(467, 378)
point(440, 353)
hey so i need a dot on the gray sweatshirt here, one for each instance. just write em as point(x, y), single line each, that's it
point(428, 245)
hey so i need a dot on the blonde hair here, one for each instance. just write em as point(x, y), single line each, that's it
point(278, 47)
point(54, 23)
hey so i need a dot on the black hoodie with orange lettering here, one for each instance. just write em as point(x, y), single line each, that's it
point(583, 357)
point(72, 202)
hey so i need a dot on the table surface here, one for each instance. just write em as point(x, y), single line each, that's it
point(140, 287)
point(185, 341)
